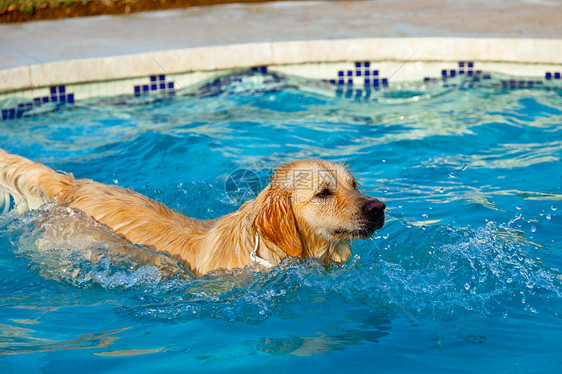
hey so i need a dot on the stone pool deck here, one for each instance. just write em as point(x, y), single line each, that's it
point(40, 53)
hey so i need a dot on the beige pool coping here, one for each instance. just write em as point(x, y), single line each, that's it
point(40, 54)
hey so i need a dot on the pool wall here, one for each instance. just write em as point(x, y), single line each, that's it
point(353, 48)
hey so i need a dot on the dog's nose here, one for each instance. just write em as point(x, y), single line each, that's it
point(374, 211)
point(374, 207)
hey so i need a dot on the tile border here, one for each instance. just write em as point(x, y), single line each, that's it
point(358, 80)
point(357, 70)
point(206, 59)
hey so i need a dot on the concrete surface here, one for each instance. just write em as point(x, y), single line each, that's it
point(42, 42)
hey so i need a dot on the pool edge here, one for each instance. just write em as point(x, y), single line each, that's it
point(215, 58)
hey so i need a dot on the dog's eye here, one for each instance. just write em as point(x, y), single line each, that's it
point(325, 193)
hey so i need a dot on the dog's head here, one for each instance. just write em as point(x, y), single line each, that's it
point(311, 205)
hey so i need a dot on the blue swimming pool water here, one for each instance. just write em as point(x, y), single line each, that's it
point(463, 278)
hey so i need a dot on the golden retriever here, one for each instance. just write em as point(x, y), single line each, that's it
point(311, 207)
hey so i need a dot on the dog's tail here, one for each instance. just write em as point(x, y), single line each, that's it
point(29, 184)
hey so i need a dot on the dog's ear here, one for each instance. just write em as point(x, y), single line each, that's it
point(277, 224)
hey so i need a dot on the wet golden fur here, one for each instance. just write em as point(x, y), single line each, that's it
point(293, 216)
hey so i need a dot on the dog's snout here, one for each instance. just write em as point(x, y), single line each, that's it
point(374, 207)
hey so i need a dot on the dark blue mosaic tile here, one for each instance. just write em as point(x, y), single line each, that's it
point(556, 75)
point(371, 78)
point(57, 95)
point(171, 85)
point(153, 78)
point(259, 69)
point(548, 76)
point(162, 78)
point(153, 87)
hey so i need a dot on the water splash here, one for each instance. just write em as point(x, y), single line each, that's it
point(442, 271)
point(436, 272)
point(68, 246)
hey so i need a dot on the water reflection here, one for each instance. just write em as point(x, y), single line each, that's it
point(18, 340)
point(370, 327)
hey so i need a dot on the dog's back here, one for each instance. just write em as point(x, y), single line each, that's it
point(136, 217)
